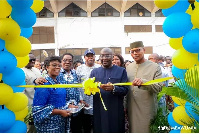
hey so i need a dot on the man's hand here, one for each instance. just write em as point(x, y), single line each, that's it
point(107, 87)
point(72, 106)
point(40, 81)
point(137, 82)
point(83, 102)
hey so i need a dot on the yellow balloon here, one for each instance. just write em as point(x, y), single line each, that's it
point(37, 6)
point(178, 101)
point(5, 9)
point(0, 76)
point(18, 102)
point(176, 43)
point(164, 4)
point(9, 29)
point(195, 17)
point(179, 114)
point(21, 114)
point(186, 129)
point(6, 93)
point(19, 47)
point(22, 61)
point(183, 59)
point(191, 79)
point(189, 10)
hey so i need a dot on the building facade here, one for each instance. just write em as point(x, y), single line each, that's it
point(76, 25)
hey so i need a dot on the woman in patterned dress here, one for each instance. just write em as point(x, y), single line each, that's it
point(49, 104)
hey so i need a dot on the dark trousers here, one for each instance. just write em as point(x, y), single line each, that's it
point(75, 124)
point(82, 123)
point(87, 123)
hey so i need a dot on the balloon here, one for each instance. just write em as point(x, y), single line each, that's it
point(171, 121)
point(5, 9)
point(191, 41)
point(21, 114)
point(191, 79)
point(20, 3)
point(180, 6)
point(9, 29)
point(176, 43)
point(186, 129)
point(178, 101)
point(180, 116)
point(37, 5)
point(16, 77)
point(0, 76)
point(24, 17)
point(164, 4)
point(7, 119)
point(182, 59)
point(189, 111)
point(195, 17)
point(178, 73)
point(177, 25)
point(175, 105)
point(18, 102)
point(19, 47)
point(8, 62)
point(19, 89)
point(6, 93)
point(26, 32)
point(175, 131)
point(18, 127)
point(2, 44)
point(22, 61)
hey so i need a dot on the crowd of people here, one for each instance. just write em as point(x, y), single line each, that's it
point(129, 108)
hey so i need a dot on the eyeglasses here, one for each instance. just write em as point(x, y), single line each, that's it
point(55, 65)
point(106, 56)
point(32, 60)
point(66, 60)
point(136, 50)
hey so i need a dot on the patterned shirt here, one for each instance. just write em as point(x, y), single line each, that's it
point(83, 72)
point(73, 94)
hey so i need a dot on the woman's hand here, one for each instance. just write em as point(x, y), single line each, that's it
point(65, 113)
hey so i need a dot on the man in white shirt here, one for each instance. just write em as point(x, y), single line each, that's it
point(83, 72)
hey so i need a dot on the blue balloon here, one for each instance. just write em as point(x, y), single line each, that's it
point(19, 89)
point(178, 73)
point(177, 25)
point(24, 17)
point(175, 105)
point(18, 127)
point(197, 0)
point(2, 44)
point(26, 32)
point(171, 121)
point(191, 41)
point(20, 3)
point(7, 119)
point(16, 77)
point(180, 6)
point(175, 131)
point(8, 62)
point(189, 111)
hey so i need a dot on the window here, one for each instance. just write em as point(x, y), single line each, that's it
point(137, 28)
point(72, 10)
point(39, 54)
point(159, 13)
point(45, 13)
point(42, 35)
point(137, 11)
point(105, 10)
